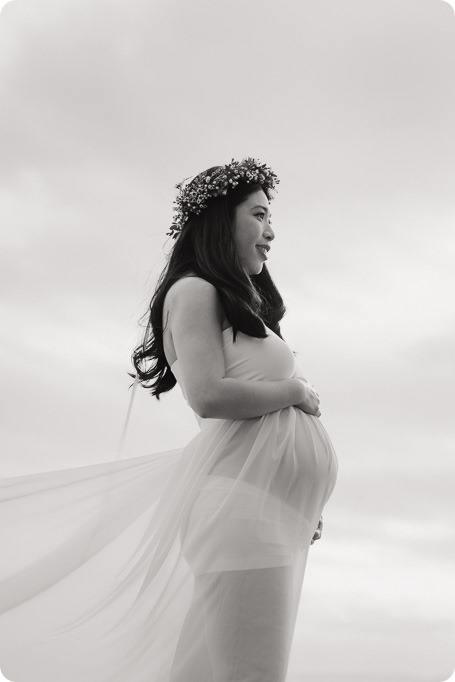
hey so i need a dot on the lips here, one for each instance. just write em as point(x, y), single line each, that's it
point(262, 251)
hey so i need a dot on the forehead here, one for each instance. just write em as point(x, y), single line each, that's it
point(258, 197)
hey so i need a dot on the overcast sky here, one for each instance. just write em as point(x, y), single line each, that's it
point(104, 107)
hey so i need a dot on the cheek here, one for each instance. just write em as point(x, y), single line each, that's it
point(253, 232)
point(248, 233)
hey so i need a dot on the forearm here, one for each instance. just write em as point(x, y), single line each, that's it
point(246, 399)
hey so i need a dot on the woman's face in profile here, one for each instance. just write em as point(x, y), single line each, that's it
point(252, 227)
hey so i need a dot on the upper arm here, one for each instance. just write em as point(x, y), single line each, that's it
point(195, 319)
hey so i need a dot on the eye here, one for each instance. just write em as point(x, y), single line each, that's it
point(261, 214)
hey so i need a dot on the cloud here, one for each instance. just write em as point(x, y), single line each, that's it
point(103, 113)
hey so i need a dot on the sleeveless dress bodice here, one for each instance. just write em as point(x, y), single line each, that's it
point(251, 358)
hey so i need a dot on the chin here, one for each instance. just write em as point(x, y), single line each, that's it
point(256, 270)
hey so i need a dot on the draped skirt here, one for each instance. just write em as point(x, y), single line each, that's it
point(179, 566)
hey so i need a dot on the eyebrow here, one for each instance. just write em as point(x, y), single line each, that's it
point(264, 208)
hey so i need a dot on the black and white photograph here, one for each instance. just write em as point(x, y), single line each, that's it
point(227, 341)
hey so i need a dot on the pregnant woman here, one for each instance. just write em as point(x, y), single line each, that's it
point(186, 565)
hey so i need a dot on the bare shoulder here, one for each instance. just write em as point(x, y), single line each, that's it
point(192, 291)
point(187, 282)
point(195, 320)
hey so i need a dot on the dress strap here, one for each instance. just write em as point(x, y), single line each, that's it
point(121, 445)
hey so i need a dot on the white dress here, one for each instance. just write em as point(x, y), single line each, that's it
point(178, 566)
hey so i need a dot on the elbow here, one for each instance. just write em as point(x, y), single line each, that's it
point(205, 409)
point(204, 413)
point(201, 407)
point(205, 403)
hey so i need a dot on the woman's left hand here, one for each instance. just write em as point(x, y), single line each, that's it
point(309, 386)
point(318, 531)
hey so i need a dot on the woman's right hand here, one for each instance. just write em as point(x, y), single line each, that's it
point(310, 398)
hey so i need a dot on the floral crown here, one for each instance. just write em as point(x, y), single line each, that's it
point(192, 194)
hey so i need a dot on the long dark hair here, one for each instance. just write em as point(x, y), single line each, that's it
point(206, 246)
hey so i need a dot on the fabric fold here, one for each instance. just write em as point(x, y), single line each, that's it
point(178, 566)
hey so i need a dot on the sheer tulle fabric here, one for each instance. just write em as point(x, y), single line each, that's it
point(179, 566)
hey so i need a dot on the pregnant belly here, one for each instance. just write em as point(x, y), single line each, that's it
point(286, 453)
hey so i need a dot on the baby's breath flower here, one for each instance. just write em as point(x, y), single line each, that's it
point(191, 197)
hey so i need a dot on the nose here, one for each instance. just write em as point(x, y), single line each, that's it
point(270, 233)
